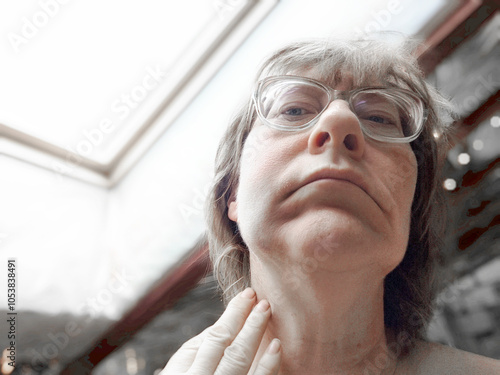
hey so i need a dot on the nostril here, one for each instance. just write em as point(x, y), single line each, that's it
point(322, 138)
point(350, 142)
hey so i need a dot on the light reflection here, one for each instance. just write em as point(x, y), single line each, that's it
point(450, 184)
point(131, 363)
point(464, 158)
point(495, 121)
point(478, 144)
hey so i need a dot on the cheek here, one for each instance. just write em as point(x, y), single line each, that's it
point(399, 178)
point(257, 168)
point(257, 164)
point(406, 177)
point(256, 144)
point(400, 181)
point(265, 154)
point(394, 169)
point(401, 173)
point(265, 157)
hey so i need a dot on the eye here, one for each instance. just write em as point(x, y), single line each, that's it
point(296, 114)
point(374, 109)
point(292, 113)
point(380, 119)
point(292, 104)
point(295, 111)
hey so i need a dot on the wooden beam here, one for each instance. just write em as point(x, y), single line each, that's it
point(458, 27)
point(472, 178)
point(462, 128)
point(162, 296)
point(472, 235)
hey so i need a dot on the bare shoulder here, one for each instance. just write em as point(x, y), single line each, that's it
point(431, 358)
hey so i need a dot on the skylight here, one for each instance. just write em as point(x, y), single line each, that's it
point(85, 76)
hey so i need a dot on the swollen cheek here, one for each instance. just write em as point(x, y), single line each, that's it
point(259, 171)
point(253, 195)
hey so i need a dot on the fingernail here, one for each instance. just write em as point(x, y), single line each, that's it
point(248, 293)
point(274, 347)
point(263, 305)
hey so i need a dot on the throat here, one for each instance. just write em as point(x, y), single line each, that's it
point(327, 324)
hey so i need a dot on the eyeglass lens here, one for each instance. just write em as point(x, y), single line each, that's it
point(294, 103)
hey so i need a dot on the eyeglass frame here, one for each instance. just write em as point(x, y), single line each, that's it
point(344, 95)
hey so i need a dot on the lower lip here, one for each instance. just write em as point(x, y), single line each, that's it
point(329, 191)
point(325, 186)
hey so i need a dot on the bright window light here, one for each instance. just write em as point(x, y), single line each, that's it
point(77, 74)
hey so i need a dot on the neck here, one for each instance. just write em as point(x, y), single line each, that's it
point(328, 323)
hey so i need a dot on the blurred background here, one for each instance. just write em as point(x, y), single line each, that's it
point(110, 115)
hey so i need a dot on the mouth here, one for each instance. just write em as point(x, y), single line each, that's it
point(345, 175)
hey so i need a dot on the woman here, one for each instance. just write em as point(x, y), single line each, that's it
point(323, 220)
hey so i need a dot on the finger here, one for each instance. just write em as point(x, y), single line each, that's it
point(269, 363)
point(239, 356)
point(219, 336)
point(182, 359)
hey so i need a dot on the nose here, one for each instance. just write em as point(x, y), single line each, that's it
point(337, 131)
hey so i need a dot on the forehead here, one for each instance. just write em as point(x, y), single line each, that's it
point(340, 80)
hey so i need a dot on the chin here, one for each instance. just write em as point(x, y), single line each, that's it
point(330, 239)
point(340, 245)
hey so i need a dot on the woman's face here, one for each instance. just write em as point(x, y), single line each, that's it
point(327, 192)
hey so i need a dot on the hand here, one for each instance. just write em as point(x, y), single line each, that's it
point(229, 346)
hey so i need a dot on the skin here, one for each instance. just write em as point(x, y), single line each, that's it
point(325, 247)
point(319, 253)
point(229, 346)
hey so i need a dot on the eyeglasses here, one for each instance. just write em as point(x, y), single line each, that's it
point(292, 103)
